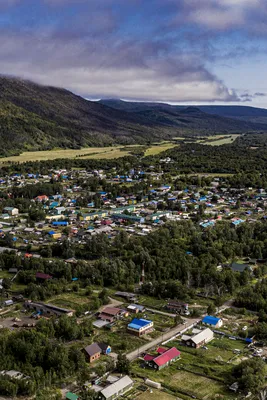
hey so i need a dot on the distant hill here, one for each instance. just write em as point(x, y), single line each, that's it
point(35, 117)
point(245, 113)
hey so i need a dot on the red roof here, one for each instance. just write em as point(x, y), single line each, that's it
point(148, 357)
point(167, 356)
point(111, 311)
point(41, 275)
point(161, 350)
point(28, 255)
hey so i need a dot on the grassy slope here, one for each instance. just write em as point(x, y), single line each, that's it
point(34, 117)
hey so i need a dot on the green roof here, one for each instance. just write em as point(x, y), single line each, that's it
point(71, 396)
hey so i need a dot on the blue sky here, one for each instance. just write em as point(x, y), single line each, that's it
point(187, 51)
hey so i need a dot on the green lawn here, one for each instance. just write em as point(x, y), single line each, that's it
point(119, 340)
point(199, 386)
point(72, 300)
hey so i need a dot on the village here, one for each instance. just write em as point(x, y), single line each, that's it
point(165, 341)
point(137, 203)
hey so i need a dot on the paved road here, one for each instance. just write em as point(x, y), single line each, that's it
point(162, 338)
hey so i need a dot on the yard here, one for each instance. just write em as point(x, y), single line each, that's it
point(73, 300)
point(119, 340)
point(209, 369)
point(199, 386)
point(152, 394)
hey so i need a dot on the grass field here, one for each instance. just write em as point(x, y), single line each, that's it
point(219, 140)
point(203, 388)
point(159, 148)
point(71, 300)
point(86, 153)
point(216, 140)
point(109, 152)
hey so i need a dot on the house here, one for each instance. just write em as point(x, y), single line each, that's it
point(13, 270)
point(212, 321)
point(47, 309)
point(135, 308)
point(110, 314)
point(8, 303)
point(117, 388)
point(126, 217)
point(54, 234)
point(127, 296)
point(199, 339)
point(140, 327)
point(93, 351)
point(234, 387)
point(71, 396)
point(42, 277)
point(105, 348)
point(165, 358)
point(11, 211)
point(177, 307)
point(59, 210)
point(60, 223)
point(41, 198)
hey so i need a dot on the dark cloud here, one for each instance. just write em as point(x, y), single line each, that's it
point(246, 97)
point(260, 94)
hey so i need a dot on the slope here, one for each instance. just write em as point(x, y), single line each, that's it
point(34, 117)
point(245, 113)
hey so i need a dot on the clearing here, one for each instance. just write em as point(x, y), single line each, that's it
point(159, 148)
point(86, 153)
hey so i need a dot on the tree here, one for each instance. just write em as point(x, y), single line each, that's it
point(211, 310)
point(178, 320)
point(263, 394)
point(48, 393)
point(250, 374)
point(123, 364)
point(88, 395)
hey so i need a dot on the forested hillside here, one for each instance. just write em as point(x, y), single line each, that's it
point(34, 117)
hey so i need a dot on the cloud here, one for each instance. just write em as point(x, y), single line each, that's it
point(129, 69)
point(222, 15)
point(246, 97)
point(157, 50)
point(260, 94)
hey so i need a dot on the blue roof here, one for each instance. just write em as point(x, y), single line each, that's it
point(51, 232)
point(138, 323)
point(210, 320)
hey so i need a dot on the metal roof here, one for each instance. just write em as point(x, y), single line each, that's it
point(210, 320)
point(206, 335)
point(138, 323)
point(116, 387)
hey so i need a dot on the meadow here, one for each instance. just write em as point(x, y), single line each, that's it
point(110, 152)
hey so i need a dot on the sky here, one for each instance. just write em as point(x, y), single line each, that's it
point(175, 51)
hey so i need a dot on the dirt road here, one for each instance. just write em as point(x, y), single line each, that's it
point(162, 338)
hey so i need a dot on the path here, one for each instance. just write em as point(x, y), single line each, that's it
point(113, 303)
point(165, 336)
point(162, 312)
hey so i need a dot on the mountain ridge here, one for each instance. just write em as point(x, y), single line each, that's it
point(38, 117)
point(249, 113)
